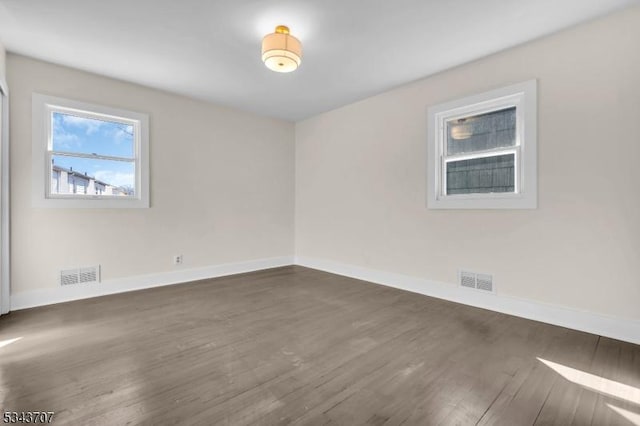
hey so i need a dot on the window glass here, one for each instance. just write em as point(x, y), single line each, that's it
point(107, 177)
point(481, 175)
point(482, 132)
point(74, 134)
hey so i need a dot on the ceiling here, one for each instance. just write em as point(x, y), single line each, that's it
point(210, 50)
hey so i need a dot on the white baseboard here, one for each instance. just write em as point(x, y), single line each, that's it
point(618, 328)
point(59, 294)
point(627, 330)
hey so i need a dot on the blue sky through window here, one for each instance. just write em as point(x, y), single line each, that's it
point(75, 134)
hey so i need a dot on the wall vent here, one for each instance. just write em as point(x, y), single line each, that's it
point(467, 279)
point(68, 276)
point(476, 281)
point(484, 282)
point(86, 275)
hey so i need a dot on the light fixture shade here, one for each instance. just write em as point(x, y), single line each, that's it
point(463, 129)
point(281, 52)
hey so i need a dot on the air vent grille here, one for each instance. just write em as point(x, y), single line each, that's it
point(69, 277)
point(476, 281)
point(84, 275)
point(467, 279)
point(484, 282)
point(88, 275)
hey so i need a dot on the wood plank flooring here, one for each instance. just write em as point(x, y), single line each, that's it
point(297, 346)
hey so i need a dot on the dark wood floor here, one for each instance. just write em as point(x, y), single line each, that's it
point(295, 345)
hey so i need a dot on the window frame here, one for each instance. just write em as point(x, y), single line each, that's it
point(523, 97)
point(43, 107)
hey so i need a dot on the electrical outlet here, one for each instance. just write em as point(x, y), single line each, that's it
point(177, 260)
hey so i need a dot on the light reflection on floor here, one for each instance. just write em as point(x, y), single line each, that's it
point(7, 342)
point(601, 385)
point(629, 415)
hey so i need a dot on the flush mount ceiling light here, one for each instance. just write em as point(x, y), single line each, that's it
point(281, 52)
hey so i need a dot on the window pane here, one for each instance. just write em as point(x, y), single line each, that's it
point(481, 175)
point(88, 176)
point(481, 132)
point(70, 133)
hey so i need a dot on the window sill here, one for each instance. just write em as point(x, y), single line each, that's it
point(91, 203)
point(494, 202)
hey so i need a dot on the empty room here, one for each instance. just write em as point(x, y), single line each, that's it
point(362, 212)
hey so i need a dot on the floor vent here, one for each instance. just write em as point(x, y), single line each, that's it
point(86, 275)
point(476, 281)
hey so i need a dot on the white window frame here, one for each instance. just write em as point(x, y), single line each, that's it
point(524, 97)
point(5, 187)
point(42, 145)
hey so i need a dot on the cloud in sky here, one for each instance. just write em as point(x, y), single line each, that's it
point(91, 136)
point(122, 133)
point(89, 126)
point(64, 139)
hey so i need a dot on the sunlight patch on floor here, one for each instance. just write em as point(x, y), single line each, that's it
point(596, 383)
point(7, 342)
point(634, 418)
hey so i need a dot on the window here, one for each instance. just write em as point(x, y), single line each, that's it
point(482, 151)
point(88, 155)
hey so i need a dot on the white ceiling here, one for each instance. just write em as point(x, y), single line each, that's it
point(210, 49)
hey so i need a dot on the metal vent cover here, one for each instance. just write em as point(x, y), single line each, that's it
point(86, 275)
point(467, 279)
point(476, 281)
point(68, 276)
point(484, 282)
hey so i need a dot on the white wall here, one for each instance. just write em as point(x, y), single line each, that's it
point(221, 186)
point(360, 178)
point(3, 64)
